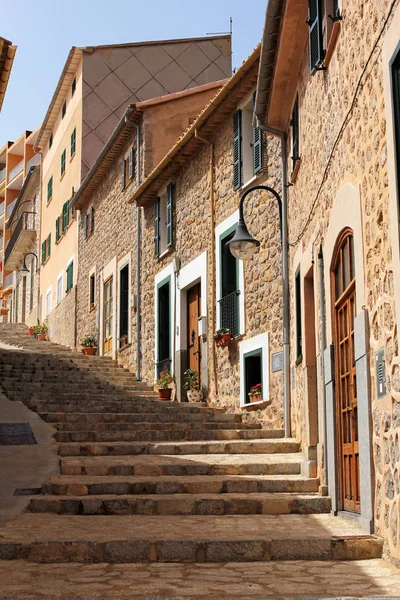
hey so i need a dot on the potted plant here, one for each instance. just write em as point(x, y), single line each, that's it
point(31, 330)
point(40, 331)
point(163, 382)
point(255, 393)
point(123, 340)
point(191, 385)
point(222, 336)
point(89, 345)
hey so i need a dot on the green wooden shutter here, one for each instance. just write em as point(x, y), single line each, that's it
point(91, 219)
point(237, 150)
point(43, 252)
point(57, 230)
point(294, 122)
point(50, 189)
point(257, 150)
point(315, 35)
point(170, 201)
point(85, 227)
point(49, 245)
point(157, 227)
point(123, 174)
point(229, 268)
point(63, 158)
point(131, 163)
point(73, 142)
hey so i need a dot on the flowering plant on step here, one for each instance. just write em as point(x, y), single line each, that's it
point(89, 341)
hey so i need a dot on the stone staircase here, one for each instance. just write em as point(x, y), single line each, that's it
point(148, 481)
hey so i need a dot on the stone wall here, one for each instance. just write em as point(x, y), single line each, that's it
point(193, 236)
point(359, 159)
point(62, 323)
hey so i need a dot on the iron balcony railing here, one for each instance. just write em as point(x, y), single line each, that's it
point(229, 312)
point(26, 222)
point(35, 160)
point(16, 170)
point(2, 174)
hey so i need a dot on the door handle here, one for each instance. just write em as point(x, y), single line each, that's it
point(197, 352)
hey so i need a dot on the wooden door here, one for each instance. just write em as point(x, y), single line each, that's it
point(23, 300)
point(344, 286)
point(193, 339)
point(107, 316)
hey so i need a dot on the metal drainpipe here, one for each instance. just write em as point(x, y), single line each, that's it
point(285, 282)
point(323, 347)
point(138, 260)
point(213, 293)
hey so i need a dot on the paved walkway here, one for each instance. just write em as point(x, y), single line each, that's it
point(24, 466)
point(233, 581)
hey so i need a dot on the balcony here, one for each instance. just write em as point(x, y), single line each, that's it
point(8, 280)
point(229, 312)
point(35, 160)
point(2, 175)
point(16, 171)
point(20, 241)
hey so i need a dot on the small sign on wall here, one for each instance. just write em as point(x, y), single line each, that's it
point(380, 373)
point(277, 361)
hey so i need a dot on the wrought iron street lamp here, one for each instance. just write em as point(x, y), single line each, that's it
point(24, 268)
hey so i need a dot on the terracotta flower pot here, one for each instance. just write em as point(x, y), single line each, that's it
point(123, 341)
point(90, 351)
point(194, 395)
point(224, 339)
point(31, 330)
point(3, 312)
point(255, 398)
point(164, 394)
point(41, 337)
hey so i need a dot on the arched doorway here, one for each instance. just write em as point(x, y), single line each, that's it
point(343, 312)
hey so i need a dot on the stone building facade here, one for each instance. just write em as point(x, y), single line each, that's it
point(335, 100)
point(191, 286)
point(107, 291)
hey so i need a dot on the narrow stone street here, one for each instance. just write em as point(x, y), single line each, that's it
point(143, 484)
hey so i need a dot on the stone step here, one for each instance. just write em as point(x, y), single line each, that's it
point(191, 504)
point(67, 387)
point(137, 404)
point(80, 398)
point(139, 426)
point(47, 538)
point(181, 448)
point(179, 432)
point(195, 464)
point(88, 485)
point(139, 417)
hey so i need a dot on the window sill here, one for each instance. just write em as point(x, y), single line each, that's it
point(48, 201)
point(123, 348)
point(72, 157)
point(165, 253)
point(296, 169)
point(62, 176)
point(256, 405)
point(299, 360)
point(92, 308)
point(67, 292)
point(332, 43)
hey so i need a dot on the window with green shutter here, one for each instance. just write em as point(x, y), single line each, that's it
point(85, 226)
point(237, 150)
point(315, 35)
point(50, 189)
point(396, 111)
point(44, 249)
point(73, 87)
point(73, 142)
point(294, 123)
point(63, 161)
point(123, 174)
point(64, 109)
point(91, 219)
point(169, 223)
point(57, 230)
point(70, 277)
point(257, 150)
point(299, 349)
point(48, 245)
point(65, 215)
point(50, 141)
point(157, 204)
point(229, 284)
point(131, 163)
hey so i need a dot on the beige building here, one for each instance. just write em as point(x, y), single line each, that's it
point(7, 54)
point(19, 227)
point(95, 87)
point(107, 288)
point(331, 90)
point(191, 285)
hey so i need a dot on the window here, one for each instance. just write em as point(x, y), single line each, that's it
point(50, 189)
point(124, 301)
point(248, 155)
point(91, 220)
point(294, 123)
point(59, 289)
point(315, 35)
point(163, 221)
point(46, 248)
point(131, 163)
point(123, 174)
point(73, 142)
point(229, 273)
point(58, 230)
point(252, 371)
point(65, 215)
point(63, 161)
point(92, 291)
point(396, 109)
point(32, 284)
point(50, 141)
point(254, 367)
point(48, 245)
point(299, 341)
point(164, 325)
point(64, 109)
point(73, 87)
point(48, 302)
point(70, 277)
point(88, 223)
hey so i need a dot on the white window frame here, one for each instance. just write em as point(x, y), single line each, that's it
point(60, 277)
point(164, 274)
point(48, 296)
point(258, 342)
point(219, 231)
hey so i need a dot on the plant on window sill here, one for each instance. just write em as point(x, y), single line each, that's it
point(223, 336)
point(123, 340)
point(255, 393)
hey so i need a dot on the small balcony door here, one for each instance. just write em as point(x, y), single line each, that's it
point(108, 316)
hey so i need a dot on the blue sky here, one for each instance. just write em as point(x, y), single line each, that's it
point(45, 30)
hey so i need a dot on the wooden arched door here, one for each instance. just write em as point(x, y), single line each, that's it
point(344, 312)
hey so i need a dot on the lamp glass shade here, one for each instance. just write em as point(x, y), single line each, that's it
point(24, 269)
point(242, 245)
